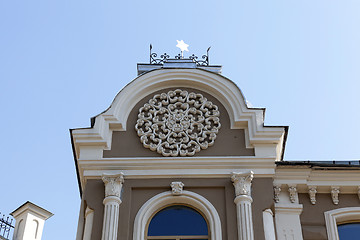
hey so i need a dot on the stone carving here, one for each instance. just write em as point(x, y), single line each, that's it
point(277, 190)
point(242, 182)
point(293, 192)
point(113, 184)
point(335, 190)
point(177, 188)
point(312, 194)
point(178, 123)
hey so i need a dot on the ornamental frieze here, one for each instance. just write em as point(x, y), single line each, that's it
point(178, 123)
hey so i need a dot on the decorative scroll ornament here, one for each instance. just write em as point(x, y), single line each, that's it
point(277, 190)
point(242, 182)
point(177, 188)
point(154, 59)
point(178, 123)
point(312, 194)
point(335, 190)
point(293, 192)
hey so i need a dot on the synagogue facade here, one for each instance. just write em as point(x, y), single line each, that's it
point(180, 155)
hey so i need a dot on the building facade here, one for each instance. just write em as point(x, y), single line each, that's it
point(180, 155)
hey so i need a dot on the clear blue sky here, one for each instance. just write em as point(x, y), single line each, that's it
point(63, 61)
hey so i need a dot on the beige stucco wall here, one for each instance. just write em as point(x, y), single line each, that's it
point(312, 217)
point(220, 192)
point(229, 142)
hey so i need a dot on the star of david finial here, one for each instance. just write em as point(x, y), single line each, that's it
point(183, 47)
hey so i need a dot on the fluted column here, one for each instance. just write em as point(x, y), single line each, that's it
point(112, 201)
point(243, 200)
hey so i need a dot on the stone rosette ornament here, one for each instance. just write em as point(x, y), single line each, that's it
point(178, 123)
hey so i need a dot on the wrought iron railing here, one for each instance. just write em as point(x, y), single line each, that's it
point(6, 226)
point(164, 57)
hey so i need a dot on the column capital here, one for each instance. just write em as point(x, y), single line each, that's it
point(242, 182)
point(113, 184)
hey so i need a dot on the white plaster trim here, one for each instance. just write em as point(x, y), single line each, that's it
point(184, 173)
point(269, 227)
point(337, 216)
point(167, 198)
point(89, 219)
point(303, 178)
point(267, 142)
point(223, 89)
point(287, 221)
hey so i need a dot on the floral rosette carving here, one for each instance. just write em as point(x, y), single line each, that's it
point(178, 123)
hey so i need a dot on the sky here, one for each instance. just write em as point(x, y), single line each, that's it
point(63, 61)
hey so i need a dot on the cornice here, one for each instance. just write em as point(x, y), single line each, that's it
point(348, 180)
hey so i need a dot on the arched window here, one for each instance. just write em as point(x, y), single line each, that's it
point(343, 223)
point(178, 222)
point(187, 205)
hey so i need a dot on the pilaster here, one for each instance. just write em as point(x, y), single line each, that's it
point(112, 201)
point(287, 214)
point(242, 183)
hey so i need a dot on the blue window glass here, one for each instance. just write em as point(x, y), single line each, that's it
point(178, 221)
point(349, 231)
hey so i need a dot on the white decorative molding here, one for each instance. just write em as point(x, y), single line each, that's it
point(323, 179)
point(335, 190)
point(89, 219)
point(89, 143)
point(292, 193)
point(167, 198)
point(242, 182)
point(113, 184)
point(177, 188)
point(277, 190)
point(287, 221)
point(178, 123)
point(312, 194)
point(269, 227)
point(338, 216)
point(243, 200)
point(112, 201)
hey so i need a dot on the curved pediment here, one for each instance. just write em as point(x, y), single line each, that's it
point(242, 142)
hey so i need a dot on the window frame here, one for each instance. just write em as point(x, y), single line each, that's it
point(191, 199)
point(335, 217)
point(177, 237)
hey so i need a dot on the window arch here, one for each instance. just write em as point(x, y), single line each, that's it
point(190, 199)
point(338, 217)
point(178, 222)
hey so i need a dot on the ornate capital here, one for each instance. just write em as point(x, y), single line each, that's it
point(312, 194)
point(113, 184)
point(335, 190)
point(293, 192)
point(177, 188)
point(242, 182)
point(277, 190)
